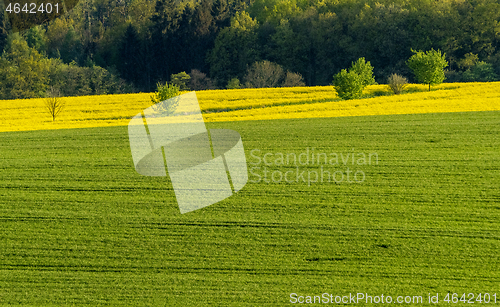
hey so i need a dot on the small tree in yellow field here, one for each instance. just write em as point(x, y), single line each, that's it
point(164, 94)
point(428, 67)
point(54, 104)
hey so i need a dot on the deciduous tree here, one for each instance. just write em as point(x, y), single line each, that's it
point(428, 67)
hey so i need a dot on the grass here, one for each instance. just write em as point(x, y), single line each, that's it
point(81, 227)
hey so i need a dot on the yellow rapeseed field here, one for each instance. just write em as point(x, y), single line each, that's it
point(255, 104)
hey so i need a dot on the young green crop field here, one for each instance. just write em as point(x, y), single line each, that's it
point(79, 226)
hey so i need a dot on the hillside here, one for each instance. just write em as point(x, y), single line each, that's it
point(255, 104)
point(81, 227)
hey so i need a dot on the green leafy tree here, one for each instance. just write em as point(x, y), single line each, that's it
point(235, 49)
point(166, 92)
point(23, 71)
point(35, 37)
point(364, 70)
point(428, 67)
point(350, 84)
point(181, 80)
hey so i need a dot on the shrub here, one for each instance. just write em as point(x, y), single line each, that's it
point(165, 92)
point(269, 74)
point(364, 70)
point(234, 83)
point(264, 74)
point(199, 81)
point(397, 83)
point(350, 84)
point(293, 79)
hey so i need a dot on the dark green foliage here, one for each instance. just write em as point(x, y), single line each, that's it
point(312, 38)
point(235, 49)
point(81, 227)
point(132, 57)
point(183, 35)
point(71, 48)
point(23, 71)
point(480, 72)
point(181, 80)
point(4, 27)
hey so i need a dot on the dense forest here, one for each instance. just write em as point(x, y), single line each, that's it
point(111, 46)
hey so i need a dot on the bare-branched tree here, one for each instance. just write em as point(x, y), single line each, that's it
point(54, 103)
point(397, 83)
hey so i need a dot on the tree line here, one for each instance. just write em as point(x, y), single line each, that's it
point(109, 46)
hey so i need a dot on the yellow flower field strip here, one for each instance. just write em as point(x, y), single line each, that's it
point(79, 112)
point(255, 98)
point(254, 104)
point(116, 110)
point(472, 97)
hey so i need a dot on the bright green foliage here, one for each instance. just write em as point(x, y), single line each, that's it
point(364, 70)
point(35, 37)
point(180, 80)
point(350, 84)
point(165, 92)
point(428, 67)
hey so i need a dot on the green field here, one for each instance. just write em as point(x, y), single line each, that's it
point(79, 225)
